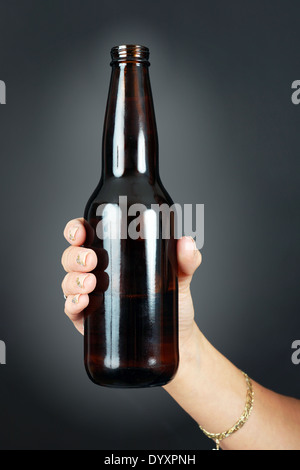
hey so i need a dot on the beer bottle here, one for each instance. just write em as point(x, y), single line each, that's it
point(131, 323)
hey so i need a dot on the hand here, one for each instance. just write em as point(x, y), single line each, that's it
point(207, 386)
point(78, 262)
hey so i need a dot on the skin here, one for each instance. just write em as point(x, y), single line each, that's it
point(207, 386)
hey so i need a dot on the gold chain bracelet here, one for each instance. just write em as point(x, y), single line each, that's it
point(240, 423)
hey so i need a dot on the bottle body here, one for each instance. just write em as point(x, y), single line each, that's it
point(131, 323)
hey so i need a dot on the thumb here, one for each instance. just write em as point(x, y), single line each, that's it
point(188, 258)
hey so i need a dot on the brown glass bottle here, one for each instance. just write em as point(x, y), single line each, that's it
point(131, 323)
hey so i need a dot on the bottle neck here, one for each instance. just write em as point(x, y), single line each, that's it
point(130, 142)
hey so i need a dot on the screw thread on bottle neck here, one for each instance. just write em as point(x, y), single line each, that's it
point(129, 53)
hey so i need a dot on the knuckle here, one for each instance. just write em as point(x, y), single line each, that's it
point(64, 282)
point(65, 229)
point(65, 260)
point(67, 226)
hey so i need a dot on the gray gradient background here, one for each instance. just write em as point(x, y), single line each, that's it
point(229, 138)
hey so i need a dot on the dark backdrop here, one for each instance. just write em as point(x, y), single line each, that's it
point(229, 138)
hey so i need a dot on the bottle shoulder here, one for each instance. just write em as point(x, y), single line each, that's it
point(136, 189)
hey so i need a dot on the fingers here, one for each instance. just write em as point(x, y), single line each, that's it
point(78, 262)
point(74, 283)
point(79, 259)
point(74, 306)
point(189, 259)
point(75, 232)
point(76, 287)
point(188, 256)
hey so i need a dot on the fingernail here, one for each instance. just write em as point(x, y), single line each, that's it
point(72, 232)
point(80, 280)
point(81, 258)
point(75, 299)
point(191, 246)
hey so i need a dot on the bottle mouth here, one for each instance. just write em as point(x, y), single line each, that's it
point(130, 52)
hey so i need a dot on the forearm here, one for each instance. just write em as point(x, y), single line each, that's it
point(213, 392)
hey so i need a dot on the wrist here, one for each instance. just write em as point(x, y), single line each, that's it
point(202, 386)
point(191, 348)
